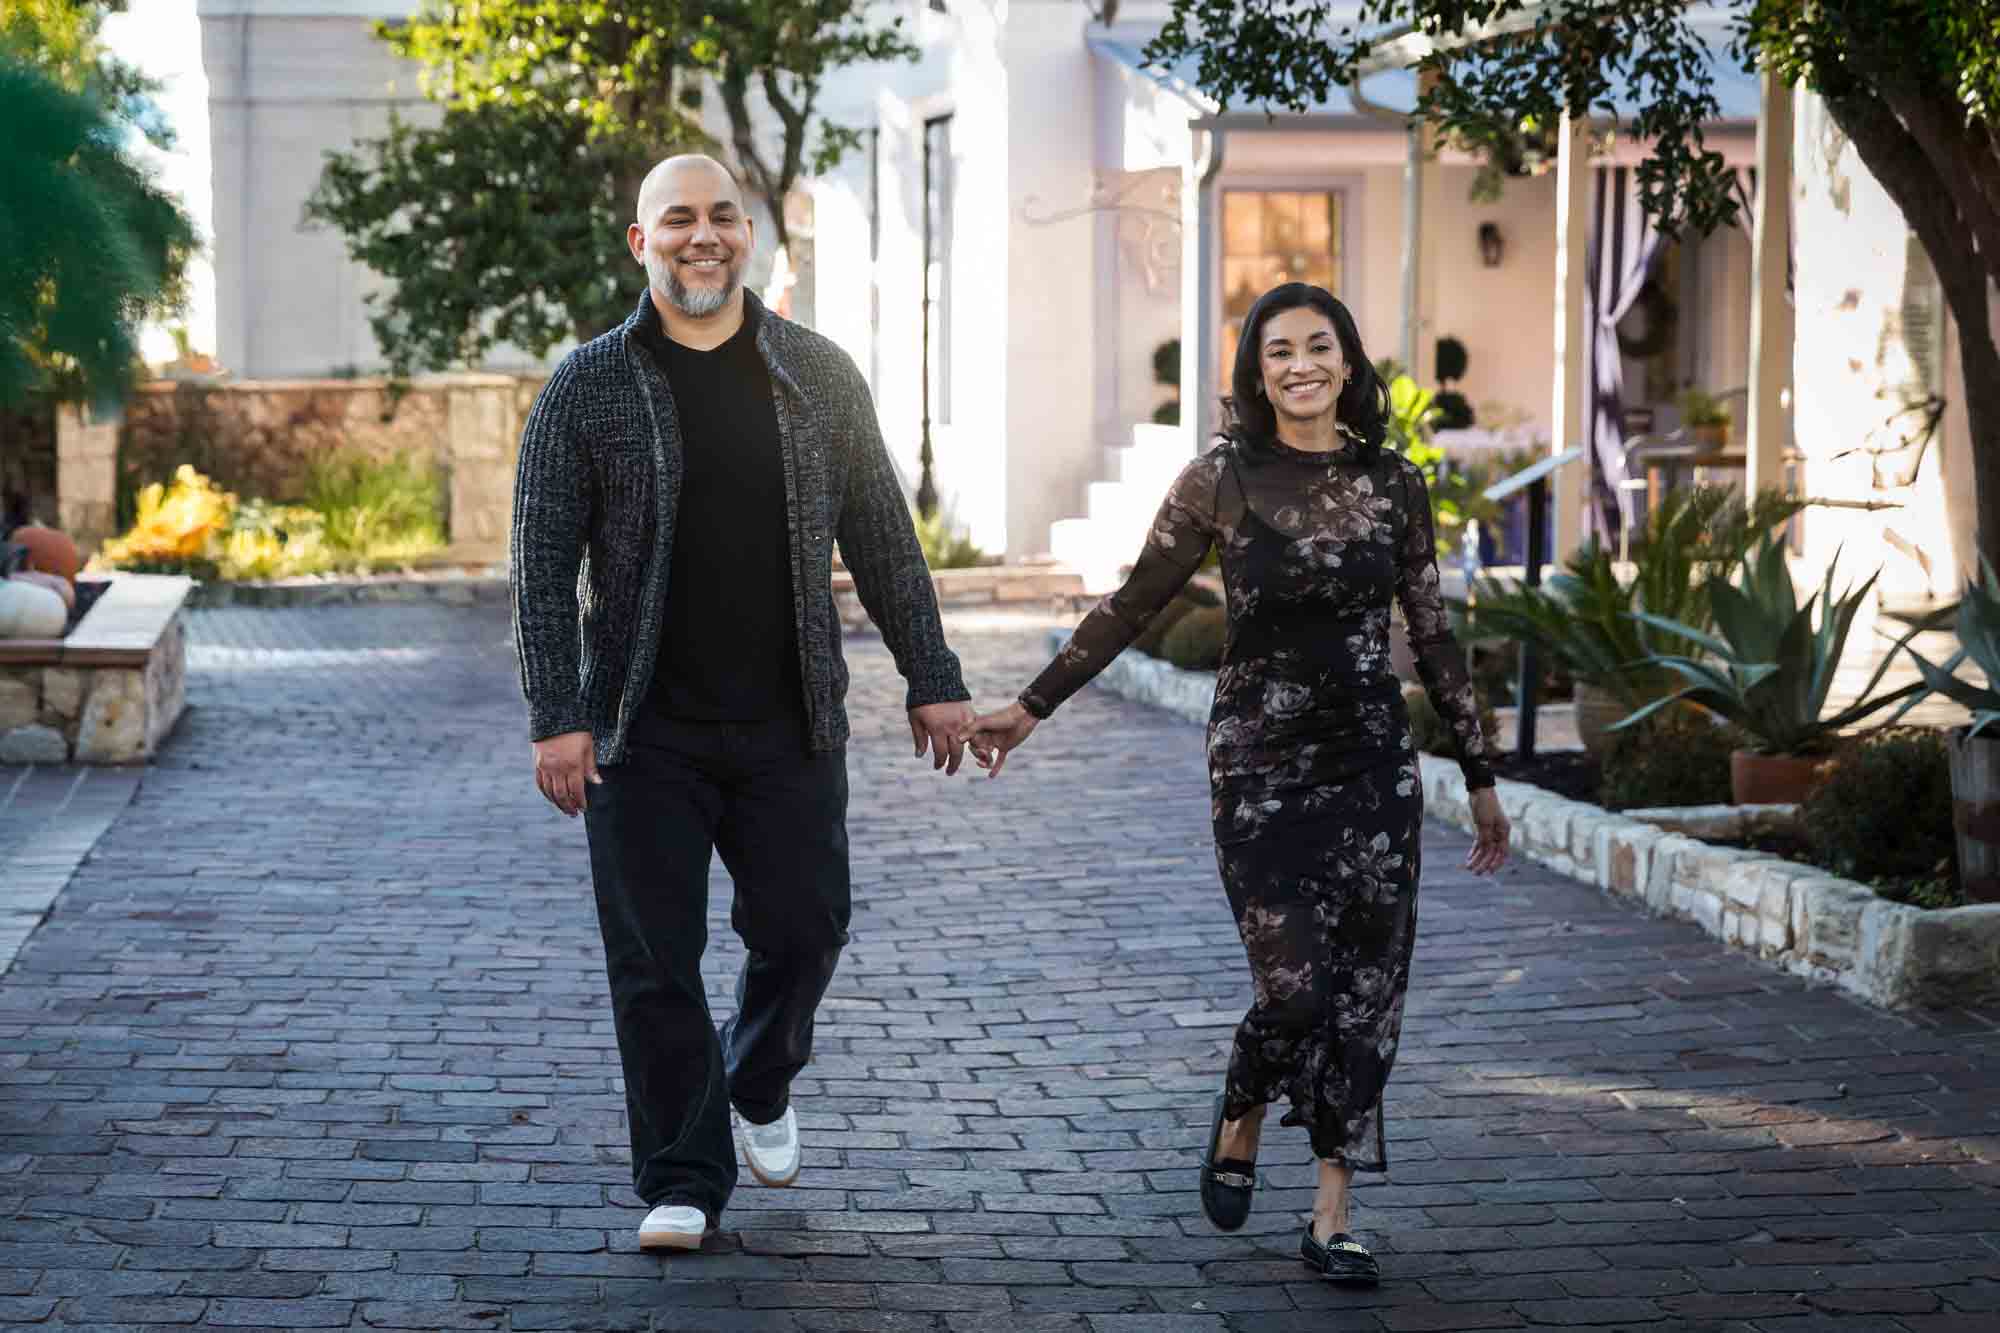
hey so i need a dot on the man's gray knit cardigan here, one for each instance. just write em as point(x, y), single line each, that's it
point(594, 504)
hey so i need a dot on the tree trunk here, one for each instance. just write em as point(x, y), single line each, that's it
point(1980, 360)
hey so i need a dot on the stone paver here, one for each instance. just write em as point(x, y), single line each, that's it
point(50, 818)
point(317, 1038)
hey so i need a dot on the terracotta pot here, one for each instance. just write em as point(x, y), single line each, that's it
point(1597, 711)
point(1975, 813)
point(1772, 779)
point(49, 551)
point(1709, 439)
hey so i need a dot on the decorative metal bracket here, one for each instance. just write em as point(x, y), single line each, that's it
point(1147, 209)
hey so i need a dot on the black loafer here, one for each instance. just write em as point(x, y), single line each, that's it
point(1227, 1184)
point(1341, 1259)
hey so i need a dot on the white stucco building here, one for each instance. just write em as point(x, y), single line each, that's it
point(1068, 212)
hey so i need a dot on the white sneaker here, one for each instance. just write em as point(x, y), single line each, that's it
point(772, 1150)
point(673, 1226)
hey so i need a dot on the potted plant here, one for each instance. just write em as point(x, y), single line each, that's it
point(1454, 412)
point(1706, 419)
point(1769, 669)
point(1585, 618)
point(1975, 754)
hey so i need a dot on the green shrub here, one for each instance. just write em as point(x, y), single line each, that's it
point(1195, 642)
point(377, 510)
point(1191, 598)
point(945, 547)
point(1149, 639)
point(1429, 729)
point(1676, 757)
point(1882, 808)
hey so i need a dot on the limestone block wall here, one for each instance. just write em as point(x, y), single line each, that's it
point(259, 438)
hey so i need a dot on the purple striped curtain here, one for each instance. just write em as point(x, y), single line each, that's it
point(1624, 245)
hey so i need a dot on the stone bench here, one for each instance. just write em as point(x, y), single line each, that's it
point(109, 692)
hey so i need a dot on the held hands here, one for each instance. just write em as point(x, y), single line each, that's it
point(991, 736)
point(1489, 848)
point(564, 766)
point(940, 729)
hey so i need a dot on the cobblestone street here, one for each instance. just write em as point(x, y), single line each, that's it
point(317, 1037)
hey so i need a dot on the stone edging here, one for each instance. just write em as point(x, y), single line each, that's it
point(1818, 925)
point(457, 588)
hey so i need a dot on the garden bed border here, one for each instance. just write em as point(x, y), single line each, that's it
point(108, 692)
point(1811, 922)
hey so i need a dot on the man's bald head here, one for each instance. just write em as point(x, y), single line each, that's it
point(681, 175)
point(693, 235)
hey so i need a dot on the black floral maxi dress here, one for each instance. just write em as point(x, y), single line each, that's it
point(1318, 804)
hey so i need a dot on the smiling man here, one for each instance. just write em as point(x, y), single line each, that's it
point(686, 693)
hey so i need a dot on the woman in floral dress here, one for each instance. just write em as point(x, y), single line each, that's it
point(1318, 804)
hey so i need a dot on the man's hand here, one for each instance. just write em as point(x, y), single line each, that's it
point(564, 765)
point(936, 728)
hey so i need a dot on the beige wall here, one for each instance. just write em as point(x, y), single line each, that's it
point(287, 82)
point(1852, 370)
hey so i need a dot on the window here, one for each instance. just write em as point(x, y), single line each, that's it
point(1271, 237)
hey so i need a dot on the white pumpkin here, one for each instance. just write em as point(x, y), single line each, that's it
point(30, 611)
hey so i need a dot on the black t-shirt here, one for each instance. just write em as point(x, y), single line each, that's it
point(728, 641)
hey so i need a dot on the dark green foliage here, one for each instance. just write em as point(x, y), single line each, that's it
point(504, 224)
point(91, 245)
point(1196, 640)
point(1454, 411)
point(1771, 664)
point(1587, 620)
point(1167, 363)
point(1977, 620)
point(1452, 360)
point(1168, 413)
point(1882, 808)
point(1151, 637)
point(1678, 757)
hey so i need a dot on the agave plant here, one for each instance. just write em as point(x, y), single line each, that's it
point(1770, 665)
point(1589, 621)
point(1978, 641)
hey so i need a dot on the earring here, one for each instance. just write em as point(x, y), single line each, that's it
point(1346, 374)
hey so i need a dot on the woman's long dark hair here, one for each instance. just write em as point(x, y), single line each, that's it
point(1363, 405)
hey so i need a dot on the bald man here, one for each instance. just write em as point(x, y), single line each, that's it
point(682, 482)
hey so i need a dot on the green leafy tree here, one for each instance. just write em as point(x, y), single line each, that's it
point(1913, 84)
point(504, 220)
point(93, 246)
point(785, 49)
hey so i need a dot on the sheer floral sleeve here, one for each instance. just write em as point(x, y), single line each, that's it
point(1175, 547)
point(1440, 661)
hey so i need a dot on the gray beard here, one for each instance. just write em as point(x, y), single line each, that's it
point(696, 304)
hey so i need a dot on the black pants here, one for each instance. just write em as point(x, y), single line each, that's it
point(778, 815)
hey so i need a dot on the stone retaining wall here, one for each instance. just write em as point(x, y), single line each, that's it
point(1811, 922)
point(258, 437)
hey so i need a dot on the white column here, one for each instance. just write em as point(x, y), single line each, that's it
point(1568, 404)
point(1769, 433)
